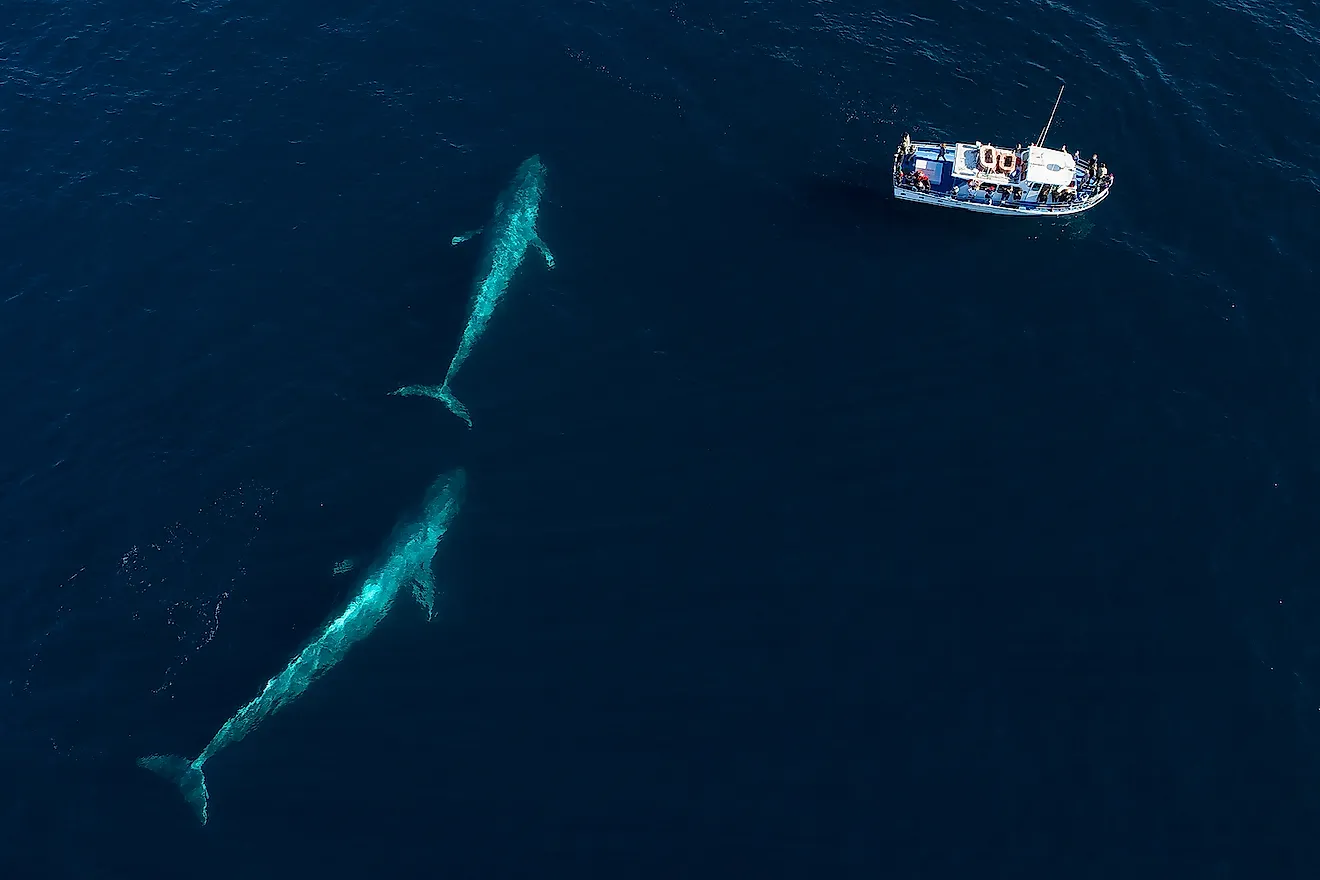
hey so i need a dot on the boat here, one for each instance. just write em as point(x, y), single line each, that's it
point(1030, 181)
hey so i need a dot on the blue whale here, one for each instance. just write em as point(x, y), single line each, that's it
point(408, 563)
point(508, 235)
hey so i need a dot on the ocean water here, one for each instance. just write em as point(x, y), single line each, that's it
point(806, 536)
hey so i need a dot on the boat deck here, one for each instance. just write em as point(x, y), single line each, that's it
point(939, 168)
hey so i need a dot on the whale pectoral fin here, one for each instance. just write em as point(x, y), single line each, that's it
point(424, 591)
point(545, 252)
point(459, 239)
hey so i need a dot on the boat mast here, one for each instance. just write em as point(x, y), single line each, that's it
point(1046, 130)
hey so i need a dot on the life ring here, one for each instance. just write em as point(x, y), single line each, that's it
point(986, 160)
point(1007, 161)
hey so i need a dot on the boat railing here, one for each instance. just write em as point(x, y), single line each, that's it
point(1034, 207)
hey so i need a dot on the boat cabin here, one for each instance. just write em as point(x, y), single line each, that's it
point(1047, 170)
point(1030, 175)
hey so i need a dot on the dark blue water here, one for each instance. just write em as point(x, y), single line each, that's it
point(806, 536)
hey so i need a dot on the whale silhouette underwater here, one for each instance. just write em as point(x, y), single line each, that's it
point(508, 235)
point(407, 563)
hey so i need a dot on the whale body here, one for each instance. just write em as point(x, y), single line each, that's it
point(509, 233)
point(407, 564)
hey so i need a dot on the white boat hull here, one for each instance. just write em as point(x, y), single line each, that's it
point(947, 200)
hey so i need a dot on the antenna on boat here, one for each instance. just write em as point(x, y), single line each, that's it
point(1046, 130)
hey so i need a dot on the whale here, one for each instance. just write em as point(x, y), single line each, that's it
point(507, 236)
point(407, 563)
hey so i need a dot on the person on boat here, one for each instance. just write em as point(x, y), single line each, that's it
point(941, 156)
point(1102, 179)
point(1094, 167)
point(906, 147)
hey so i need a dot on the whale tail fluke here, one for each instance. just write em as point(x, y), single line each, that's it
point(455, 405)
point(187, 775)
point(440, 393)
